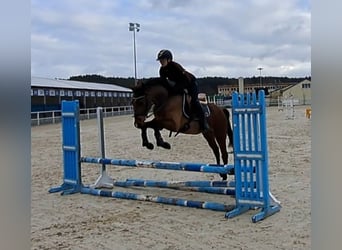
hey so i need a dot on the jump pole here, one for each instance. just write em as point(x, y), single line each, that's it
point(251, 186)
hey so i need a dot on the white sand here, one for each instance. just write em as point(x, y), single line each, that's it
point(89, 222)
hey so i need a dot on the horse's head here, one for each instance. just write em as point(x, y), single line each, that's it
point(145, 95)
point(140, 105)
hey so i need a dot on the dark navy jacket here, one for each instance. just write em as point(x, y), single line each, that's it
point(175, 72)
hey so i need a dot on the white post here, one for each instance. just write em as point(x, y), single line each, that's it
point(241, 85)
point(289, 107)
point(280, 103)
point(103, 181)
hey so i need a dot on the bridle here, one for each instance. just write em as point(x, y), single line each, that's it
point(147, 111)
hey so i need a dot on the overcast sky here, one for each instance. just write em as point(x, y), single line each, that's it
point(209, 38)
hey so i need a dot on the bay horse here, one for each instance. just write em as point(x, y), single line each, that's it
point(154, 95)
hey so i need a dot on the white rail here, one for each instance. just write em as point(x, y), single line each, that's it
point(54, 116)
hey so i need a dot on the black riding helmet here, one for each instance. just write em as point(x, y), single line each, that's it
point(164, 54)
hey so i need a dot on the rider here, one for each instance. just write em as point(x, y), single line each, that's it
point(180, 79)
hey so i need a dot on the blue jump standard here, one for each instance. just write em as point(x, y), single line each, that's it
point(250, 186)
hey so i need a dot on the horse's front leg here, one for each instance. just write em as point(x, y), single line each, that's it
point(145, 142)
point(160, 140)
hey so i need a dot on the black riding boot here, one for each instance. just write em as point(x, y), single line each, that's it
point(201, 118)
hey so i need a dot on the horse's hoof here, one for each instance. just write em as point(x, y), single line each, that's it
point(224, 177)
point(164, 144)
point(148, 145)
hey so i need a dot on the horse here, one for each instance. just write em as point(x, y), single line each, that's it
point(154, 95)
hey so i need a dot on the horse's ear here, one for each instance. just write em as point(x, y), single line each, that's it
point(139, 83)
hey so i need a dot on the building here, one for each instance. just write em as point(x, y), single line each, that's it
point(301, 92)
point(227, 90)
point(47, 94)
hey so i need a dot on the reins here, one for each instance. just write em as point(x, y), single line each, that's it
point(137, 98)
point(149, 113)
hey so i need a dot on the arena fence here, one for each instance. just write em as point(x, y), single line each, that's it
point(55, 116)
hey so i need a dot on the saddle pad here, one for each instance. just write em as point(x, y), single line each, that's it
point(185, 106)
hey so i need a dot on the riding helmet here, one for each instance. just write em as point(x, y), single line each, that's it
point(164, 54)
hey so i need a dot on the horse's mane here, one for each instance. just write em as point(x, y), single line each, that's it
point(155, 81)
point(143, 85)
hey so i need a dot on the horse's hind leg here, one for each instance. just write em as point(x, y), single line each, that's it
point(224, 154)
point(213, 145)
point(229, 128)
point(230, 133)
point(160, 140)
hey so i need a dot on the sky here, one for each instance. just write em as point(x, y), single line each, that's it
point(215, 38)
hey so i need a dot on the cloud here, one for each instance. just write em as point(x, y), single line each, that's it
point(216, 38)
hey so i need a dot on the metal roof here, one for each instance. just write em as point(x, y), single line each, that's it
point(67, 84)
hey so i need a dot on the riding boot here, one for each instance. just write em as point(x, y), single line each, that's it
point(202, 120)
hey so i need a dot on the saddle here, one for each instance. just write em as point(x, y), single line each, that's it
point(186, 103)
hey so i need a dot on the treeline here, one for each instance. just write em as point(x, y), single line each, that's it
point(124, 82)
point(205, 84)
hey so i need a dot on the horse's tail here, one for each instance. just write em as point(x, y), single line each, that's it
point(229, 127)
